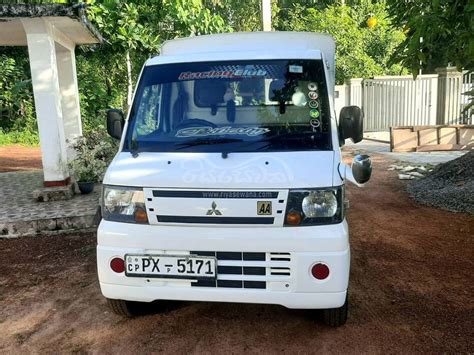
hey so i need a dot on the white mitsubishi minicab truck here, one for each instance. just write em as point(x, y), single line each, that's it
point(229, 185)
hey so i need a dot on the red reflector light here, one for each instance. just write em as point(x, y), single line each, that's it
point(118, 265)
point(320, 271)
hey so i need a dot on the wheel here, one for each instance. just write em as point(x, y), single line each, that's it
point(122, 308)
point(335, 317)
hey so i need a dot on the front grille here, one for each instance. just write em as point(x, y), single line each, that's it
point(246, 270)
point(215, 220)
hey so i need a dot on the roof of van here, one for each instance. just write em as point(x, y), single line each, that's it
point(263, 41)
point(249, 45)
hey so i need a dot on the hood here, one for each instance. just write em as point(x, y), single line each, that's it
point(211, 171)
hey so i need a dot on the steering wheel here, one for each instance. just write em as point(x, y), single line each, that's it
point(195, 122)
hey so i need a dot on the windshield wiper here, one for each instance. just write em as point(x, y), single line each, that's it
point(206, 141)
point(297, 135)
point(134, 147)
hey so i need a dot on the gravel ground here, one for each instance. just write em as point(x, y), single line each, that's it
point(450, 186)
point(410, 292)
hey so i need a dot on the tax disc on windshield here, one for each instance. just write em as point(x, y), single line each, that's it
point(313, 95)
point(314, 113)
point(312, 86)
point(313, 104)
point(315, 123)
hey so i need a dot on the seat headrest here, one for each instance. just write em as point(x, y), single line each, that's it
point(278, 91)
point(209, 92)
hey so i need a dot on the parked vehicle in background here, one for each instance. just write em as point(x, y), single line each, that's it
point(228, 185)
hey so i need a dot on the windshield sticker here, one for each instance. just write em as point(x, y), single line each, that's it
point(313, 95)
point(295, 69)
point(224, 74)
point(313, 104)
point(210, 131)
point(312, 86)
point(314, 113)
point(315, 123)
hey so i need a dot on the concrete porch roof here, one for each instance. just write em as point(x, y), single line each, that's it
point(69, 20)
point(51, 32)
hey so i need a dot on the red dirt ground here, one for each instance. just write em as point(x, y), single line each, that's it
point(410, 291)
point(19, 158)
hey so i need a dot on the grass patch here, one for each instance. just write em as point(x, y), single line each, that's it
point(28, 139)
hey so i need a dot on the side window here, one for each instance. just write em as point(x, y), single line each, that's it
point(148, 115)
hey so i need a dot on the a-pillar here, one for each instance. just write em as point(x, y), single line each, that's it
point(48, 101)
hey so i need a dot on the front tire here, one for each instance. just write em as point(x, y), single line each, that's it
point(335, 317)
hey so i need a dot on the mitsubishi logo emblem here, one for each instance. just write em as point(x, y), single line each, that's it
point(214, 211)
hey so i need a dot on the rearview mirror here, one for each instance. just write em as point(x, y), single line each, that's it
point(351, 124)
point(361, 168)
point(115, 123)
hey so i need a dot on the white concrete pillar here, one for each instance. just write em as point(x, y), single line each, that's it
point(46, 89)
point(267, 15)
point(71, 113)
point(355, 91)
point(449, 96)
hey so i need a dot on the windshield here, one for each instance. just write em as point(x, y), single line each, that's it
point(231, 106)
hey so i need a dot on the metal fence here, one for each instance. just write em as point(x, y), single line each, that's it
point(391, 101)
point(399, 101)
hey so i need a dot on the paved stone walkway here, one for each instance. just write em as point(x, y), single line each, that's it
point(421, 158)
point(21, 215)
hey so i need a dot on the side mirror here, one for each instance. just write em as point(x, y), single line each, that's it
point(351, 124)
point(361, 168)
point(115, 123)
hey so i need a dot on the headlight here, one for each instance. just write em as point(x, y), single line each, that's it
point(315, 206)
point(124, 204)
point(320, 204)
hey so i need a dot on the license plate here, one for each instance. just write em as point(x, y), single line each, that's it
point(170, 266)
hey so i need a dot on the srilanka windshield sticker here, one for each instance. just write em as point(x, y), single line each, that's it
point(210, 131)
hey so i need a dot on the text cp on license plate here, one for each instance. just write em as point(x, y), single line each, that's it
point(170, 266)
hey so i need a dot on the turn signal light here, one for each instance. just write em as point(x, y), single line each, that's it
point(117, 265)
point(293, 218)
point(140, 215)
point(320, 271)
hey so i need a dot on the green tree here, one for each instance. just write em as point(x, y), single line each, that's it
point(138, 27)
point(439, 32)
point(360, 51)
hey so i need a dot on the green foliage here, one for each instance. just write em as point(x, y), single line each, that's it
point(123, 26)
point(94, 152)
point(447, 30)
point(239, 15)
point(439, 33)
point(16, 98)
point(102, 85)
point(139, 27)
point(360, 51)
point(19, 137)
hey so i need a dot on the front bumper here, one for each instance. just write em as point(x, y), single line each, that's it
point(293, 250)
